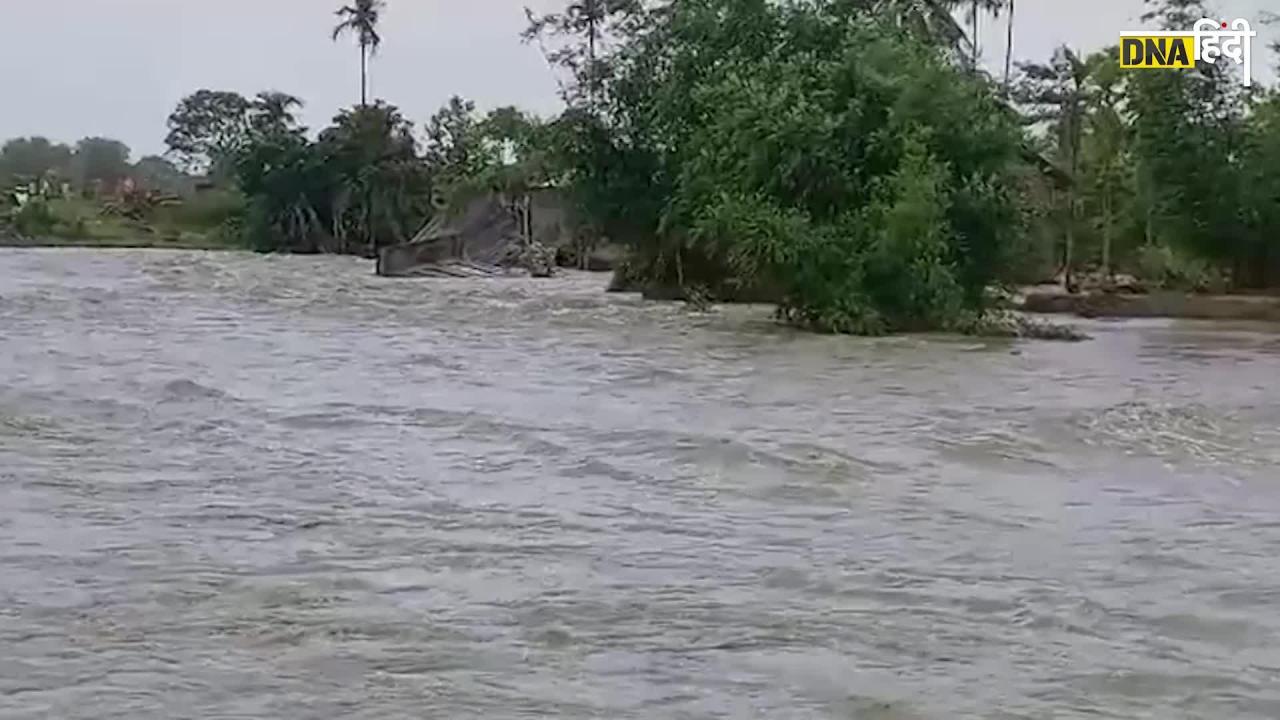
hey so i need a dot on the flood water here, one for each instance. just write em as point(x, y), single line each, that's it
point(235, 486)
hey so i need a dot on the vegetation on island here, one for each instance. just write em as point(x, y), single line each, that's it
point(847, 159)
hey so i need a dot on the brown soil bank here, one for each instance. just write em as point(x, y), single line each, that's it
point(1158, 304)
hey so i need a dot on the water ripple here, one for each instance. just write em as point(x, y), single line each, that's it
point(245, 486)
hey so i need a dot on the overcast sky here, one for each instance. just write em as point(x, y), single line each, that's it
point(73, 68)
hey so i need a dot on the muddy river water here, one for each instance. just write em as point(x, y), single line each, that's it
point(244, 487)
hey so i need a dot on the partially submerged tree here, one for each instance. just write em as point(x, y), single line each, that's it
point(360, 186)
point(383, 187)
point(813, 150)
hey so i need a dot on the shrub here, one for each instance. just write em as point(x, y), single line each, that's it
point(1170, 269)
point(204, 210)
point(34, 218)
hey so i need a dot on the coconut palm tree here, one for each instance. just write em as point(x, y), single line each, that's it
point(361, 19)
point(274, 110)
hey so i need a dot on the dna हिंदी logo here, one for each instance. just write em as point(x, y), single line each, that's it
point(1182, 49)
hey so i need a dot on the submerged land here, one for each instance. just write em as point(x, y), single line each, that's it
point(283, 487)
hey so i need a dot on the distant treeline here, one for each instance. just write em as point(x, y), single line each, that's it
point(91, 162)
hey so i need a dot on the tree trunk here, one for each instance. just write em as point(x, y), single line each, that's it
point(370, 223)
point(975, 34)
point(1008, 48)
point(364, 75)
point(591, 64)
point(1069, 251)
point(1148, 223)
point(1106, 233)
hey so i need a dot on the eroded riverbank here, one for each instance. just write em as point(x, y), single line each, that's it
point(236, 485)
point(1175, 305)
point(159, 242)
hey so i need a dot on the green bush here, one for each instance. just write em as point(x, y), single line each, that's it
point(807, 148)
point(34, 218)
point(76, 229)
point(1170, 269)
point(203, 211)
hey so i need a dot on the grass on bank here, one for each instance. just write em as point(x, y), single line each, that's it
point(195, 224)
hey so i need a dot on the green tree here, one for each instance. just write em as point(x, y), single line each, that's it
point(157, 173)
point(933, 21)
point(590, 22)
point(274, 112)
point(1188, 133)
point(361, 20)
point(815, 152)
point(1106, 177)
point(1261, 183)
point(1058, 94)
point(359, 186)
point(456, 148)
point(383, 185)
point(289, 184)
point(100, 160)
point(207, 128)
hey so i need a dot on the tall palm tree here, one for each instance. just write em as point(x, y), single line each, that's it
point(361, 19)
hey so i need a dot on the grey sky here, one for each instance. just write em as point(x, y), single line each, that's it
point(116, 67)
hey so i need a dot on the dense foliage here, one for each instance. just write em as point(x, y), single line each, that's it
point(812, 149)
point(847, 159)
point(364, 183)
point(357, 187)
point(843, 156)
point(1172, 174)
point(92, 162)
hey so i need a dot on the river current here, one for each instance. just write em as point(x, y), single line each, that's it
point(235, 486)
